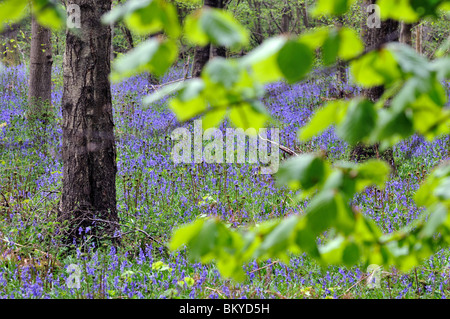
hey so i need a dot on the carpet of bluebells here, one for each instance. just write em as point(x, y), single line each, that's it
point(155, 196)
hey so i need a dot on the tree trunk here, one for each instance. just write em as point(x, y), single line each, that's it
point(286, 18)
point(305, 14)
point(419, 39)
point(405, 33)
point(203, 54)
point(341, 67)
point(40, 81)
point(374, 38)
point(88, 145)
point(128, 36)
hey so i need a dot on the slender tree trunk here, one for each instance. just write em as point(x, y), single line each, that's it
point(128, 36)
point(374, 38)
point(41, 60)
point(112, 42)
point(406, 33)
point(286, 17)
point(341, 68)
point(88, 145)
point(419, 39)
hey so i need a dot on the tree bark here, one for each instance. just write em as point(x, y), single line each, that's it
point(88, 145)
point(406, 33)
point(41, 60)
point(419, 39)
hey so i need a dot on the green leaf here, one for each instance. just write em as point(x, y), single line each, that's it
point(359, 121)
point(408, 11)
point(372, 172)
point(392, 126)
point(333, 112)
point(146, 17)
point(351, 254)
point(154, 55)
point(248, 115)
point(189, 102)
point(262, 61)
point(314, 38)
point(222, 71)
point(203, 245)
point(183, 235)
point(375, 68)
point(350, 44)
point(280, 238)
point(294, 60)
point(306, 239)
point(213, 118)
point(322, 211)
point(409, 60)
point(49, 13)
point(304, 171)
point(12, 10)
point(437, 218)
point(216, 26)
point(331, 7)
point(330, 48)
point(164, 91)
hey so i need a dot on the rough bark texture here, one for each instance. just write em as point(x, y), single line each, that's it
point(419, 39)
point(88, 150)
point(375, 38)
point(41, 60)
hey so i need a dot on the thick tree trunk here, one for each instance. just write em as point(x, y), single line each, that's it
point(374, 38)
point(40, 81)
point(88, 146)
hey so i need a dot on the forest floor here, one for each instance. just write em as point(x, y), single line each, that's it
point(155, 196)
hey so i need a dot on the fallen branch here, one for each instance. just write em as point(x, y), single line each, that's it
point(283, 148)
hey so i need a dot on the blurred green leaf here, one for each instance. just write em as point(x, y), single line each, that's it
point(216, 26)
point(146, 17)
point(294, 60)
point(333, 112)
point(49, 13)
point(359, 121)
point(263, 60)
point(155, 56)
point(331, 7)
point(304, 171)
point(375, 68)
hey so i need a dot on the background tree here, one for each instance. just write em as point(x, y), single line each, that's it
point(375, 37)
point(88, 149)
point(41, 61)
point(203, 54)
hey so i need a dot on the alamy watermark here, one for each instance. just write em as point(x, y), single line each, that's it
point(374, 278)
point(73, 16)
point(213, 151)
point(73, 281)
point(374, 18)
